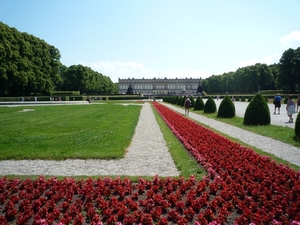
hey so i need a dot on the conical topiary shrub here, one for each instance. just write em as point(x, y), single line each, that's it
point(192, 101)
point(199, 104)
point(297, 127)
point(179, 100)
point(257, 112)
point(182, 101)
point(226, 108)
point(174, 100)
point(210, 106)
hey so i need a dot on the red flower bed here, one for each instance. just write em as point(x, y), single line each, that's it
point(259, 189)
point(242, 186)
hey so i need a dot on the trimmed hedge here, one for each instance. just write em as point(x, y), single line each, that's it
point(210, 106)
point(257, 112)
point(226, 108)
point(199, 104)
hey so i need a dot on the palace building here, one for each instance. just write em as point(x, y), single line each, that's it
point(186, 86)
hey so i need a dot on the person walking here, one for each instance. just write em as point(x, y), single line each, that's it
point(277, 103)
point(187, 105)
point(290, 108)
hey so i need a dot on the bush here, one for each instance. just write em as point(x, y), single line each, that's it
point(175, 99)
point(226, 108)
point(182, 101)
point(210, 106)
point(285, 100)
point(257, 112)
point(243, 99)
point(179, 101)
point(192, 101)
point(199, 104)
point(297, 127)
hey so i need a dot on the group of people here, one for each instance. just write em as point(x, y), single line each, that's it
point(290, 106)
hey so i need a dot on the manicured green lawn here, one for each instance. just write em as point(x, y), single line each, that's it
point(94, 131)
point(101, 131)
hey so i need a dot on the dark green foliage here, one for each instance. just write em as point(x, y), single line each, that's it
point(243, 99)
point(199, 104)
point(226, 108)
point(174, 100)
point(179, 101)
point(297, 126)
point(257, 112)
point(86, 80)
point(249, 99)
point(285, 100)
point(289, 70)
point(192, 101)
point(182, 100)
point(210, 106)
point(27, 64)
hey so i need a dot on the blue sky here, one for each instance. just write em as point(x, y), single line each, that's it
point(160, 38)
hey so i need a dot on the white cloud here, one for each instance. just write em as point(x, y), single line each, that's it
point(292, 40)
point(124, 70)
point(118, 69)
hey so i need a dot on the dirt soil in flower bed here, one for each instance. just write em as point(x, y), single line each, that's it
point(242, 187)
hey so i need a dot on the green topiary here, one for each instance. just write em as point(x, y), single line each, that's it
point(257, 112)
point(210, 106)
point(297, 127)
point(182, 101)
point(179, 101)
point(243, 99)
point(199, 104)
point(174, 100)
point(285, 100)
point(226, 108)
point(192, 101)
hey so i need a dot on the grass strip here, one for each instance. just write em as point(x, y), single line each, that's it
point(185, 163)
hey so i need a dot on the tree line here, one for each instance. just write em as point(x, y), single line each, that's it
point(284, 75)
point(29, 65)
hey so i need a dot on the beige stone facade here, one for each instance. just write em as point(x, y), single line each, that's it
point(157, 86)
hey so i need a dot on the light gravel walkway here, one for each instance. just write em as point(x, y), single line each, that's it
point(147, 155)
point(284, 151)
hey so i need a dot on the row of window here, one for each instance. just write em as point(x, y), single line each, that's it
point(159, 87)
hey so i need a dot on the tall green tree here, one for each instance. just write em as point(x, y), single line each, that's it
point(288, 69)
point(86, 80)
point(27, 63)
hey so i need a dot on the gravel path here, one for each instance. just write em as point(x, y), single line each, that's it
point(147, 155)
point(285, 151)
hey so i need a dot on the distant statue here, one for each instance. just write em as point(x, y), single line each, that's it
point(200, 89)
point(129, 90)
